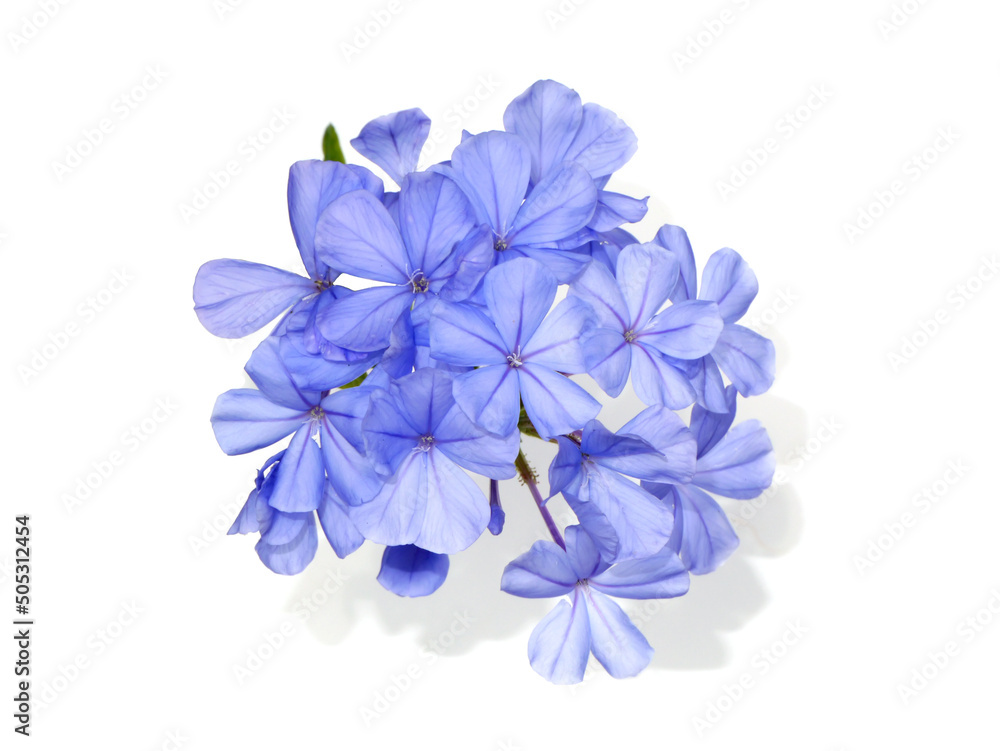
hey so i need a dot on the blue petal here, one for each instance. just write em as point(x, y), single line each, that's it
point(465, 267)
point(312, 185)
point(340, 531)
point(291, 557)
point(646, 274)
point(269, 372)
point(434, 215)
point(518, 295)
point(599, 288)
point(356, 235)
point(741, 465)
point(615, 641)
point(657, 381)
point(583, 554)
point(346, 408)
point(702, 536)
point(659, 576)
point(709, 427)
point(424, 398)
point(564, 264)
point(668, 434)
point(729, 281)
point(558, 206)
point(497, 515)
point(603, 144)
point(235, 298)
point(393, 142)
point(245, 420)
point(641, 522)
point(559, 646)
point(675, 240)
point(388, 438)
point(489, 396)
point(301, 477)
point(461, 334)
point(475, 449)
point(493, 169)
point(314, 372)
point(410, 571)
point(544, 571)
point(747, 358)
point(363, 320)
point(555, 404)
point(707, 382)
point(616, 209)
point(565, 469)
point(686, 330)
point(556, 342)
point(351, 474)
point(547, 116)
point(608, 359)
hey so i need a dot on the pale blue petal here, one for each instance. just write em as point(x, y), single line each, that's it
point(547, 116)
point(657, 381)
point(411, 571)
point(291, 557)
point(556, 342)
point(604, 143)
point(686, 330)
point(657, 577)
point(729, 281)
point(608, 359)
point(388, 439)
point(434, 215)
point(747, 358)
point(301, 477)
point(489, 396)
point(646, 274)
point(599, 288)
point(583, 553)
point(518, 295)
point(675, 240)
point(337, 526)
point(236, 298)
point(674, 442)
point(493, 169)
point(558, 206)
point(709, 427)
point(363, 320)
point(555, 404)
point(245, 420)
point(707, 382)
point(559, 646)
point(615, 641)
point(393, 142)
point(616, 209)
point(350, 473)
point(269, 372)
point(741, 465)
point(461, 334)
point(356, 235)
point(702, 536)
point(544, 571)
point(565, 469)
point(475, 449)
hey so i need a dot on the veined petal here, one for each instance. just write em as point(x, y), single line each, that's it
point(615, 641)
point(583, 553)
point(728, 281)
point(493, 169)
point(707, 382)
point(518, 295)
point(291, 557)
point(473, 448)
point(434, 215)
point(615, 209)
point(565, 469)
point(559, 646)
point(608, 358)
point(747, 358)
point(709, 427)
point(363, 320)
point(599, 288)
point(411, 571)
point(659, 576)
point(702, 536)
point(350, 473)
point(235, 298)
point(646, 274)
point(299, 486)
point(269, 372)
point(461, 334)
point(555, 404)
point(337, 526)
point(558, 206)
point(356, 235)
point(388, 438)
point(675, 239)
point(685, 330)
point(604, 143)
point(666, 432)
point(547, 116)
point(741, 465)
point(393, 142)
point(657, 381)
point(245, 420)
point(556, 342)
point(489, 396)
point(544, 571)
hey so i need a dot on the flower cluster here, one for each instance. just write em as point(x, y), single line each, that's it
point(495, 278)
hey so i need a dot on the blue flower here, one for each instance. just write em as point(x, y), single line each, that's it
point(245, 420)
point(420, 440)
point(519, 352)
point(589, 622)
point(235, 298)
point(744, 356)
point(625, 521)
point(411, 571)
point(394, 142)
point(557, 127)
point(494, 170)
point(634, 336)
point(434, 251)
point(737, 463)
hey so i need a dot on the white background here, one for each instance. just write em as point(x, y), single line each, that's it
point(858, 438)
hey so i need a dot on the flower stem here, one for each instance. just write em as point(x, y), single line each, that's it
point(529, 478)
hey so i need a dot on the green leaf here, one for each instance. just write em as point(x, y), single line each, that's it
point(356, 382)
point(331, 146)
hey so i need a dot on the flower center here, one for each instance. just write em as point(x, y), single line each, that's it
point(425, 443)
point(499, 244)
point(317, 413)
point(514, 359)
point(419, 283)
point(323, 284)
point(630, 336)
